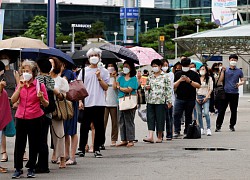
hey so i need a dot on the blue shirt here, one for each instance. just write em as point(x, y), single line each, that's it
point(232, 77)
point(68, 74)
point(132, 83)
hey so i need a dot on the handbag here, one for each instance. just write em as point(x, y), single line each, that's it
point(219, 92)
point(64, 110)
point(142, 113)
point(141, 95)
point(127, 102)
point(193, 131)
point(10, 129)
point(77, 91)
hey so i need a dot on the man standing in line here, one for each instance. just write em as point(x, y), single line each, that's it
point(231, 76)
point(185, 83)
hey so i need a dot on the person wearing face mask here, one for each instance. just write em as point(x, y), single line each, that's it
point(185, 82)
point(112, 103)
point(127, 84)
point(159, 97)
point(203, 98)
point(11, 78)
point(193, 67)
point(233, 78)
point(28, 117)
point(96, 83)
point(57, 127)
point(169, 111)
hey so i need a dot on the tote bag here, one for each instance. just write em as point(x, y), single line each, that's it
point(127, 102)
point(64, 110)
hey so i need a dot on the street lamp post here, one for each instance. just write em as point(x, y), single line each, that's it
point(115, 33)
point(42, 36)
point(233, 13)
point(197, 21)
point(157, 22)
point(175, 29)
point(146, 26)
point(73, 38)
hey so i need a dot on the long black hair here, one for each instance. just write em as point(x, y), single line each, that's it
point(132, 68)
point(207, 73)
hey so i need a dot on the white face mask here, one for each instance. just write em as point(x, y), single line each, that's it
point(93, 60)
point(193, 69)
point(202, 72)
point(155, 69)
point(233, 63)
point(126, 70)
point(185, 69)
point(27, 76)
point(165, 68)
point(220, 68)
point(111, 69)
point(5, 61)
point(1, 72)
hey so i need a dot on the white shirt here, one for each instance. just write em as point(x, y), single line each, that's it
point(112, 94)
point(96, 93)
point(61, 84)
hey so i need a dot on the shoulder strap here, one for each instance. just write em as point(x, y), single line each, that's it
point(83, 72)
point(218, 79)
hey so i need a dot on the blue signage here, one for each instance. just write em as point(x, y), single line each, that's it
point(1, 23)
point(129, 13)
point(213, 58)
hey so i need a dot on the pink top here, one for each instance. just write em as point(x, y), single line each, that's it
point(29, 103)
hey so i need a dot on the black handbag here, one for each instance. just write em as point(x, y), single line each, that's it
point(141, 96)
point(219, 92)
point(193, 131)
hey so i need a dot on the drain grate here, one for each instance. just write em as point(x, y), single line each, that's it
point(210, 149)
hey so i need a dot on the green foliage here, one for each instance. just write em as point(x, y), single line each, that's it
point(187, 25)
point(97, 29)
point(38, 26)
point(80, 38)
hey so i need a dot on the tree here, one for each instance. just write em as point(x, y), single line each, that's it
point(187, 26)
point(38, 26)
point(97, 29)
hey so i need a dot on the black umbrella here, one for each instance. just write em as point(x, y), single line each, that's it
point(121, 52)
point(107, 57)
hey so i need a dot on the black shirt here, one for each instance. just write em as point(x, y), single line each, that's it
point(185, 91)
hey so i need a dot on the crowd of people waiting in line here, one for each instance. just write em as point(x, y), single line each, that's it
point(172, 94)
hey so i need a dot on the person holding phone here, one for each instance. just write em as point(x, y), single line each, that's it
point(203, 98)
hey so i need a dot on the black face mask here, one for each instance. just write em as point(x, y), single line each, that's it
point(56, 71)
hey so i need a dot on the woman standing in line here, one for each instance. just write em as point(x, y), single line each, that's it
point(203, 98)
point(127, 84)
point(58, 135)
point(169, 114)
point(159, 95)
point(111, 100)
point(28, 118)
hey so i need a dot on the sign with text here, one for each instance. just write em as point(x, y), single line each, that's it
point(129, 13)
point(161, 48)
point(81, 25)
point(224, 13)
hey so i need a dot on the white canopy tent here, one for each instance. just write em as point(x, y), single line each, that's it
point(227, 40)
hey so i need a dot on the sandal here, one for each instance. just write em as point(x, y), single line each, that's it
point(123, 143)
point(3, 170)
point(148, 140)
point(53, 161)
point(4, 159)
point(71, 162)
point(130, 144)
point(158, 141)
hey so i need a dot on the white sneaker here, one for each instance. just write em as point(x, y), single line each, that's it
point(209, 132)
point(202, 132)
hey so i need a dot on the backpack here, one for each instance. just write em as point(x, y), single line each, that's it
point(52, 104)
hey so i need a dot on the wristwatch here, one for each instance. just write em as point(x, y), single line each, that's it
point(190, 82)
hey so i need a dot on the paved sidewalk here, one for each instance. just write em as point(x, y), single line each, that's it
point(167, 160)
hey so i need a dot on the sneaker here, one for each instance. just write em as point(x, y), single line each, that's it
point(98, 154)
point(31, 173)
point(231, 129)
point(217, 130)
point(209, 132)
point(17, 174)
point(202, 131)
point(176, 135)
